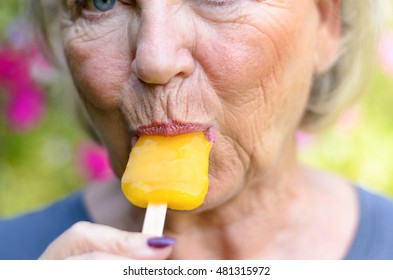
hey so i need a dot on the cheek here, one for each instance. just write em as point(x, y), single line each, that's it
point(262, 72)
point(262, 65)
point(100, 68)
point(230, 63)
point(243, 66)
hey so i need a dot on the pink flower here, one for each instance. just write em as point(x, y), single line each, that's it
point(386, 53)
point(93, 162)
point(25, 103)
point(22, 66)
point(21, 39)
point(25, 108)
point(14, 69)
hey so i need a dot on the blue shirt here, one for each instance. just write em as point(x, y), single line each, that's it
point(374, 236)
point(27, 236)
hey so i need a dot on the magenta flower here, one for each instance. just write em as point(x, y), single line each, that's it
point(25, 103)
point(14, 69)
point(25, 108)
point(22, 68)
point(386, 53)
point(93, 162)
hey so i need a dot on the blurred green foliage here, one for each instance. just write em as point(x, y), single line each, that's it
point(38, 167)
point(7, 12)
point(363, 150)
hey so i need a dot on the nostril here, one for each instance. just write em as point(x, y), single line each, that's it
point(185, 62)
point(152, 71)
point(159, 67)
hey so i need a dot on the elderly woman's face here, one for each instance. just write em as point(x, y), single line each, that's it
point(242, 67)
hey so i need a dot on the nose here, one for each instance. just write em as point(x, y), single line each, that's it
point(163, 46)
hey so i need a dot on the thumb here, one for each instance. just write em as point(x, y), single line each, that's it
point(85, 238)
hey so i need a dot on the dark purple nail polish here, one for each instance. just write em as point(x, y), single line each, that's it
point(161, 242)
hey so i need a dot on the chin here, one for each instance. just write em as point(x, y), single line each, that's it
point(220, 192)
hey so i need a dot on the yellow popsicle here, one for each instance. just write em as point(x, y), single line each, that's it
point(171, 170)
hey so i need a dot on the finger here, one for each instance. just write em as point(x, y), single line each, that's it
point(84, 238)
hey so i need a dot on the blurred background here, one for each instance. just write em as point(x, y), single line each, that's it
point(44, 153)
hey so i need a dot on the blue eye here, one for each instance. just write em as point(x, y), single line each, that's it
point(104, 5)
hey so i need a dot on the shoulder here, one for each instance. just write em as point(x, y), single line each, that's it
point(26, 236)
point(374, 238)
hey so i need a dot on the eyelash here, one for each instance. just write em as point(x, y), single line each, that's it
point(86, 9)
point(214, 3)
point(220, 3)
point(80, 7)
point(80, 3)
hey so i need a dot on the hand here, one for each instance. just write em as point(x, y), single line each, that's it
point(85, 240)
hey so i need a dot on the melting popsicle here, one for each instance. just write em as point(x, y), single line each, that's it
point(167, 171)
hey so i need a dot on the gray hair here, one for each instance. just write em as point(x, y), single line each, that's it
point(332, 91)
point(361, 23)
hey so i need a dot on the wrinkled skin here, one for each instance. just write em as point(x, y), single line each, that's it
point(243, 67)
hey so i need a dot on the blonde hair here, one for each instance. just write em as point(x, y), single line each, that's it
point(361, 23)
point(332, 91)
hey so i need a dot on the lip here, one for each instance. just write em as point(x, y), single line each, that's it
point(171, 128)
point(174, 128)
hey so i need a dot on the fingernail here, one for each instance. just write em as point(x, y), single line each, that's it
point(160, 242)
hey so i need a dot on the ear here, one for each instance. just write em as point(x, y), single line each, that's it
point(329, 33)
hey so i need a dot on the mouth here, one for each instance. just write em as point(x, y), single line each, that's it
point(173, 128)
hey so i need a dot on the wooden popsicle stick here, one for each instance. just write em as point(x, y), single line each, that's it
point(154, 219)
